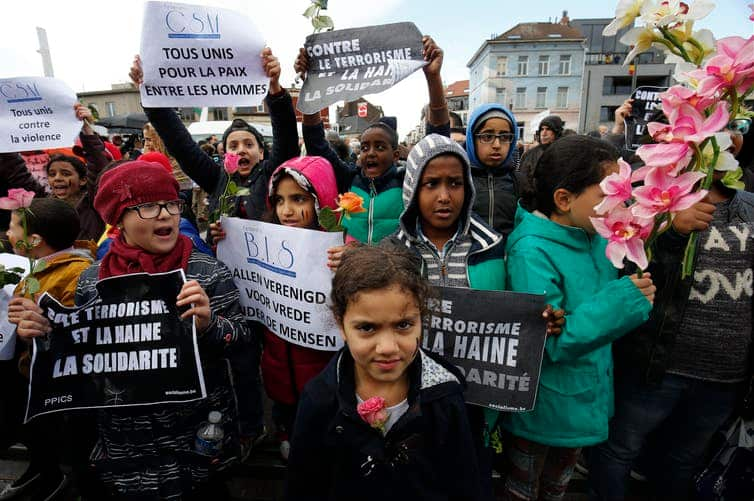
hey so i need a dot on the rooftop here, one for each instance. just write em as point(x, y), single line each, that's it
point(457, 89)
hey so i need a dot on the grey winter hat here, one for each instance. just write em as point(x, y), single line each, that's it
point(425, 150)
point(493, 113)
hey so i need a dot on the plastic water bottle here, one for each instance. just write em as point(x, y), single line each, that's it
point(209, 437)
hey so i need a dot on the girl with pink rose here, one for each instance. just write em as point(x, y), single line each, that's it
point(385, 416)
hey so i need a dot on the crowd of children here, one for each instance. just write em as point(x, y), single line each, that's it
point(457, 215)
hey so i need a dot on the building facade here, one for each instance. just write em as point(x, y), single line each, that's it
point(457, 96)
point(607, 81)
point(121, 99)
point(531, 68)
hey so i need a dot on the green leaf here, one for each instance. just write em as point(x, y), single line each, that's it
point(39, 265)
point(311, 10)
point(32, 286)
point(242, 192)
point(328, 219)
point(232, 187)
point(326, 22)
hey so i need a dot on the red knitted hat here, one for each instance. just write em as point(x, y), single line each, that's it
point(157, 157)
point(132, 183)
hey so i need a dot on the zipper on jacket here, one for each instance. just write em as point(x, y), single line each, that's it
point(370, 218)
point(491, 189)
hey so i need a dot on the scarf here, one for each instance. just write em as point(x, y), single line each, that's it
point(124, 259)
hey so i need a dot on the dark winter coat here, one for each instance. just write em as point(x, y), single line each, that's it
point(428, 454)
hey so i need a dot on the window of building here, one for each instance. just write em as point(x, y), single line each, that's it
point(607, 113)
point(541, 96)
point(500, 96)
point(110, 106)
point(520, 126)
point(521, 97)
point(502, 66)
point(187, 114)
point(562, 98)
point(245, 110)
point(544, 65)
point(565, 65)
point(220, 113)
point(523, 65)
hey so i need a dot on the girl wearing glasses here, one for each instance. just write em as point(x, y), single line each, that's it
point(141, 199)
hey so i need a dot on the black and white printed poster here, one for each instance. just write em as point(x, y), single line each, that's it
point(127, 347)
point(646, 103)
point(496, 339)
point(347, 64)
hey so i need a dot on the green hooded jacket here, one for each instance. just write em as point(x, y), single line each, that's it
point(575, 394)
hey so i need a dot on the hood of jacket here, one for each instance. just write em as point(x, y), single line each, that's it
point(537, 225)
point(313, 174)
point(421, 154)
point(508, 162)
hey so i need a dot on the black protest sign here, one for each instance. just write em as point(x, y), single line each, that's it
point(495, 338)
point(127, 347)
point(347, 64)
point(646, 102)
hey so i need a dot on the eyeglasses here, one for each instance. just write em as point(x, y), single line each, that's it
point(739, 125)
point(489, 138)
point(152, 210)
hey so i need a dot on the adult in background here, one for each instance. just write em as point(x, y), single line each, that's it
point(550, 129)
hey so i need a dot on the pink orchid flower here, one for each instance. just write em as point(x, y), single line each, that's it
point(17, 199)
point(231, 163)
point(616, 187)
point(751, 17)
point(625, 233)
point(674, 97)
point(731, 68)
point(689, 125)
point(664, 193)
point(671, 157)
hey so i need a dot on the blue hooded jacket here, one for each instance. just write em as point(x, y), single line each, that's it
point(496, 188)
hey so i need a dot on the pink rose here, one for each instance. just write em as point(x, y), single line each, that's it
point(231, 163)
point(17, 199)
point(373, 412)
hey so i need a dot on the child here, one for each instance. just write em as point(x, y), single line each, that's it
point(299, 188)
point(555, 249)
point(422, 448)
point(457, 249)
point(74, 181)
point(490, 133)
point(147, 452)
point(254, 168)
point(52, 226)
point(378, 180)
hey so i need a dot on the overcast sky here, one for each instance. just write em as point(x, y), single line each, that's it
point(93, 42)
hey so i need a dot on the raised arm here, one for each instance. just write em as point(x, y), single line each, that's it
point(438, 119)
point(94, 149)
point(314, 135)
point(193, 161)
point(282, 116)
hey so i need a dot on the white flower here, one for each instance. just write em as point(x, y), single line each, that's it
point(725, 160)
point(682, 68)
point(640, 39)
point(663, 13)
point(625, 13)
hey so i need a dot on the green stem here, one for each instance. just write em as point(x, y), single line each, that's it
point(669, 36)
point(27, 249)
point(734, 103)
point(687, 266)
point(693, 41)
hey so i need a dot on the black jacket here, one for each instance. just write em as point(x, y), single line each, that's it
point(648, 348)
point(210, 176)
point(427, 454)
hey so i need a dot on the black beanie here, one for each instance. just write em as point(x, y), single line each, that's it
point(554, 123)
point(241, 124)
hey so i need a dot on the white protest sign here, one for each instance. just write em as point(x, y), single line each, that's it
point(36, 113)
point(8, 330)
point(194, 55)
point(283, 278)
